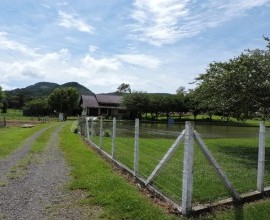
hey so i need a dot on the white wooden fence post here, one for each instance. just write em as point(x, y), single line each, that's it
point(136, 147)
point(100, 132)
point(113, 137)
point(261, 158)
point(92, 129)
point(188, 169)
point(87, 128)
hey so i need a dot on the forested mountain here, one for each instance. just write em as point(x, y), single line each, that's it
point(18, 97)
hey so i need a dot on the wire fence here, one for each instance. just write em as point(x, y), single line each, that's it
point(187, 167)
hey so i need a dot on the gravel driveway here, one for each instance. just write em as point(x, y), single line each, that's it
point(41, 193)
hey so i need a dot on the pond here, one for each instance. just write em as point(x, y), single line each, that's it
point(208, 130)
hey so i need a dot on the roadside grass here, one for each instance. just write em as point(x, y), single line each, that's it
point(107, 189)
point(12, 137)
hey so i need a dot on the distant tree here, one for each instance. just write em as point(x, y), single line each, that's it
point(137, 103)
point(124, 88)
point(181, 91)
point(37, 107)
point(5, 106)
point(64, 100)
point(1, 97)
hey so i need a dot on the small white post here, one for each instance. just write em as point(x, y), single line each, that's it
point(113, 137)
point(100, 131)
point(261, 158)
point(87, 128)
point(188, 169)
point(136, 147)
point(92, 129)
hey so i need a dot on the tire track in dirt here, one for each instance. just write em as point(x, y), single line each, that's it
point(13, 159)
point(42, 194)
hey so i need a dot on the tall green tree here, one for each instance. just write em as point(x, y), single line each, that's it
point(64, 100)
point(237, 88)
point(1, 97)
point(37, 107)
point(124, 88)
point(137, 103)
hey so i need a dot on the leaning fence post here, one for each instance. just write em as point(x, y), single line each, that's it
point(188, 169)
point(136, 147)
point(113, 137)
point(100, 132)
point(87, 128)
point(261, 158)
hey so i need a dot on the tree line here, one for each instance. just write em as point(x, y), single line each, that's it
point(63, 99)
point(239, 88)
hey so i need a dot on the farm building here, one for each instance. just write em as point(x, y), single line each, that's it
point(106, 105)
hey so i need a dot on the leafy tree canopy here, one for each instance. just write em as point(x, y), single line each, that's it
point(64, 100)
point(237, 88)
point(124, 88)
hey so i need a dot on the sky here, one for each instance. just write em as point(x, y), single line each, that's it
point(153, 45)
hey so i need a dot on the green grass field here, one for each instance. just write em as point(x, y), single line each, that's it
point(239, 163)
point(17, 115)
point(236, 156)
point(11, 138)
point(119, 199)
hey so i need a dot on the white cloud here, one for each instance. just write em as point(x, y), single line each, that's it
point(141, 60)
point(73, 21)
point(101, 65)
point(60, 66)
point(92, 48)
point(157, 19)
point(161, 22)
point(11, 45)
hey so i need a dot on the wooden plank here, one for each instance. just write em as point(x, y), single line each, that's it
point(166, 157)
point(217, 168)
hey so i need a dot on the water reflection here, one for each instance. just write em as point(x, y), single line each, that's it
point(208, 131)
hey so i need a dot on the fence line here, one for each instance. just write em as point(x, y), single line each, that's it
point(156, 161)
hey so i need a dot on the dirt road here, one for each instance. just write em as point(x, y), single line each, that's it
point(38, 189)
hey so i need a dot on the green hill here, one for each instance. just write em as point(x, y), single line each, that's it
point(18, 97)
point(81, 89)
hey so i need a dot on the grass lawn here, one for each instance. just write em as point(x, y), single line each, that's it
point(107, 189)
point(253, 211)
point(94, 174)
point(17, 115)
point(236, 156)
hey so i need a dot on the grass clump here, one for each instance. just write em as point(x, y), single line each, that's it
point(113, 193)
point(12, 138)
